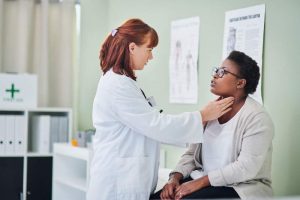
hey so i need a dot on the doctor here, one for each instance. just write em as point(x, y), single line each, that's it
point(128, 129)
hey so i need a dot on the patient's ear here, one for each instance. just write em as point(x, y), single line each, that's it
point(241, 83)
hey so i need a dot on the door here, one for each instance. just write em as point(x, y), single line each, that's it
point(11, 178)
point(39, 178)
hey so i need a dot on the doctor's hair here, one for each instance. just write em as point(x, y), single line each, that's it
point(114, 52)
point(248, 69)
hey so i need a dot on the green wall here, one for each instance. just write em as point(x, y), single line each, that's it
point(281, 68)
point(93, 29)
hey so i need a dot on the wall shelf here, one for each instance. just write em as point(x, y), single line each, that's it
point(30, 168)
point(70, 171)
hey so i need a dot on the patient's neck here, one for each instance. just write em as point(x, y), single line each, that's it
point(238, 103)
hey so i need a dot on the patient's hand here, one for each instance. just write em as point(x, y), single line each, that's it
point(191, 186)
point(186, 189)
point(168, 191)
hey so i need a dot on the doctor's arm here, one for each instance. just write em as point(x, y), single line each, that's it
point(134, 111)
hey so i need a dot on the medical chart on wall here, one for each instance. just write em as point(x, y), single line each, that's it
point(183, 60)
point(243, 31)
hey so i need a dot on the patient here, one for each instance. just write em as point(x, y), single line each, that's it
point(234, 160)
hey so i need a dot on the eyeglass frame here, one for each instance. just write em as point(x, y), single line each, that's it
point(216, 69)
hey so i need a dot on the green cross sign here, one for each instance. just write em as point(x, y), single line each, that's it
point(12, 90)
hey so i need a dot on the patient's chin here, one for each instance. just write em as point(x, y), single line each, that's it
point(220, 94)
point(215, 92)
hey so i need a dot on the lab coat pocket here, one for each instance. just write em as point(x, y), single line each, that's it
point(134, 176)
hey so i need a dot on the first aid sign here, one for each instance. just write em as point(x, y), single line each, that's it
point(18, 91)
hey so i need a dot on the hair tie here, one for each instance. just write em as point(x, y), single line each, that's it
point(113, 32)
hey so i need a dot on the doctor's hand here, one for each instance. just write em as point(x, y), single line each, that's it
point(168, 191)
point(216, 109)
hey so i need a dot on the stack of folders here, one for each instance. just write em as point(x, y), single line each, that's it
point(47, 130)
point(12, 134)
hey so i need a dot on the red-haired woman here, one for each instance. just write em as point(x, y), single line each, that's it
point(128, 129)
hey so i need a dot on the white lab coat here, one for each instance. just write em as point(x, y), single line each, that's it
point(126, 145)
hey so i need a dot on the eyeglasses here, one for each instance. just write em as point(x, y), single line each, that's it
point(220, 71)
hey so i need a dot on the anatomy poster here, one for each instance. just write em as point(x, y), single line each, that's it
point(183, 61)
point(244, 31)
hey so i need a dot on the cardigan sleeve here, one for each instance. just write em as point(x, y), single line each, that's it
point(186, 163)
point(256, 143)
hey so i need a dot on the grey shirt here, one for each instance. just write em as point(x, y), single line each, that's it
point(249, 172)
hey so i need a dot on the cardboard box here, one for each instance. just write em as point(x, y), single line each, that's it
point(18, 91)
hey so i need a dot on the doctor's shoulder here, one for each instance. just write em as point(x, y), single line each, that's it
point(114, 81)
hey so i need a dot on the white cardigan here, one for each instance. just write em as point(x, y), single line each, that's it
point(249, 173)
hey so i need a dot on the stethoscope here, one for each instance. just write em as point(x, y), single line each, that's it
point(149, 100)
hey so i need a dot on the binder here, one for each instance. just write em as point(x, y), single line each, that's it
point(54, 128)
point(2, 133)
point(40, 133)
point(63, 129)
point(10, 135)
point(20, 134)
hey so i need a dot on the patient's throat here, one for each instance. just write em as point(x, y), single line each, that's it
point(237, 105)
